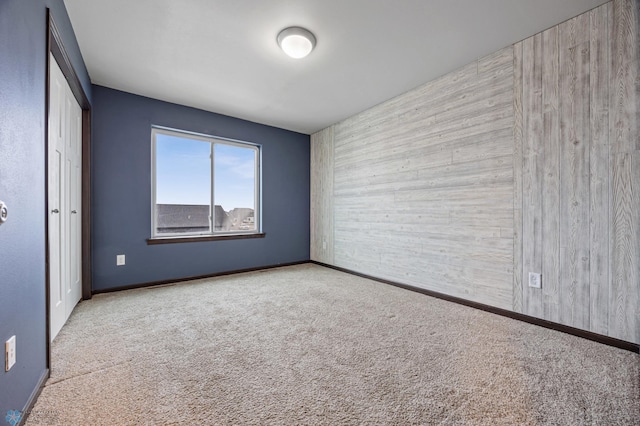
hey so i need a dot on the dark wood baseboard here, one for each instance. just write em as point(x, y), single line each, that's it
point(31, 402)
point(198, 277)
point(622, 344)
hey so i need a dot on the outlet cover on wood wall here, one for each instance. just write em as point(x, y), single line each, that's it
point(535, 280)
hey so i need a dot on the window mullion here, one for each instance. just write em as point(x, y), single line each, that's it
point(257, 215)
point(212, 205)
point(154, 186)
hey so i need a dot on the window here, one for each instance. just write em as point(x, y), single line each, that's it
point(203, 185)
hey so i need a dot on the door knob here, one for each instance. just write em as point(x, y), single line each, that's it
point(73, 212)
point(4, 212)
point(55, 211)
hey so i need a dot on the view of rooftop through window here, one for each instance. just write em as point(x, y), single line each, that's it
point(183, 179)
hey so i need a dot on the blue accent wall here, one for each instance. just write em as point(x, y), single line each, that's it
point(23, 53)
point(121, 194)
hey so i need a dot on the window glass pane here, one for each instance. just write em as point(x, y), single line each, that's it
point(183, 185)
point(234, 192)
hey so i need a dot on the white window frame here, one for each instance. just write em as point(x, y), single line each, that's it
point(213, 140)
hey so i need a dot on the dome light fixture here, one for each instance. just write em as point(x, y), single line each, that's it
point(296, 42)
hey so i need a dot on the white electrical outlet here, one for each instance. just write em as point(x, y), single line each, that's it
point(324, 244)
point(535, 280)
point(10, 353)
point(120, 260)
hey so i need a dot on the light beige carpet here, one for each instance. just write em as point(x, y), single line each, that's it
point(312, 346)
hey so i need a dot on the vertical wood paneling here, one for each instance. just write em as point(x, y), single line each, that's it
point(574, 157)
point(589, 148)
point(532, 170)
point(624, 76)
point(551, 175)
point(623, 302)
point(321, 193)
point(517, 177)
point(599, 183)
point(624, 137)
point(633, 304)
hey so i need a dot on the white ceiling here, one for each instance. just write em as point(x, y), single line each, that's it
point(222, 55)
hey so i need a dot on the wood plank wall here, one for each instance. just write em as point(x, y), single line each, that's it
point(527, 160)
point(321, 249)
point(579, 89)
point(624, 172)
point(424, 185)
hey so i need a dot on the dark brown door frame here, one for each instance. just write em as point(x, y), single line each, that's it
point(56, 48)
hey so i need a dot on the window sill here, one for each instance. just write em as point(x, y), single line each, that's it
point(199, 238)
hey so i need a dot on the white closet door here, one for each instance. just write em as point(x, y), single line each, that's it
point(64, 183)
point(73, 154)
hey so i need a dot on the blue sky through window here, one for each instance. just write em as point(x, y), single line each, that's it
point(183, 173)
point(234, 178)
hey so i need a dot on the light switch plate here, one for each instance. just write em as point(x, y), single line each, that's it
point(120, 260)
point(535, 280)
point(10, 353)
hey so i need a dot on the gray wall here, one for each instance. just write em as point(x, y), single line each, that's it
point(22, 177)
point(525, 160)
point(121, 203)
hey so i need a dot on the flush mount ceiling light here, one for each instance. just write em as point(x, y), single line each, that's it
point(296, 42)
